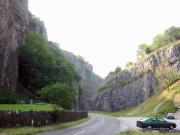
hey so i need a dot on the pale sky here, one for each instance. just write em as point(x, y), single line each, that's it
point(105, 32)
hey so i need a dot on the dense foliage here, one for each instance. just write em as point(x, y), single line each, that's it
point(60, 95)
point(41, 63)
point(169, 36)
point(10, 97)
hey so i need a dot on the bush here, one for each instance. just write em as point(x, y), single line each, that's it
point(102, 88)
point(9, 97)
point(60, 95)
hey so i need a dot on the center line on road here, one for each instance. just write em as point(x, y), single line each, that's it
point(80, 132)
point(98, 124)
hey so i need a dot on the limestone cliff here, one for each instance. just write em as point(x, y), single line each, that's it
point(35, 24)
point(133, 86)
point(89, 80)
point(13, 26)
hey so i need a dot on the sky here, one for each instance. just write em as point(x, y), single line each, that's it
point(105, 32)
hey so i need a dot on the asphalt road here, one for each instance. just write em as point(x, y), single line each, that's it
point(103, 125)
point(97, 125)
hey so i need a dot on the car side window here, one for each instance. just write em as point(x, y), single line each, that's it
point(161, 120)
point(154, 120)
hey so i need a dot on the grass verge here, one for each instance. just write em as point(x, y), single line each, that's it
point(148, 133)
point(24, 107)
point(35, 130)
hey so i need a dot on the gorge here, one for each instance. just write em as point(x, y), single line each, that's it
point(125, 89)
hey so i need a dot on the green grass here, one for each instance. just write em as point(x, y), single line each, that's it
point(148, 133)
point(156, 105)
point(114, 114)
point(177, 87)
point(33, 130)
point(23, 107)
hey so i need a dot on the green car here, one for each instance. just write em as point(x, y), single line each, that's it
point(155, 123)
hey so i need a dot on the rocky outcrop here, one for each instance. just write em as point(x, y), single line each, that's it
point(35, 24)
point(13, 26)
point(89, 81)
point(133, 86)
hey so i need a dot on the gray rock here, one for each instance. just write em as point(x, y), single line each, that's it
point(89, 80)
point(13, 26)
point(133, 86)
point(36, 25)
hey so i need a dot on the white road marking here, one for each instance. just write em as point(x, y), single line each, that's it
point(80, 132)
point(84, 131)
point(98, 123)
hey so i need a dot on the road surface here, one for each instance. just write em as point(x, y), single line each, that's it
point(103, 125)
point(97, 125)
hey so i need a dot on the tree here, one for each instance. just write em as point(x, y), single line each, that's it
point(142, 50)
point(172, 34)
point(167, 76)
point(59, 95)
point(42, 63)
point(148, 50)
point(117, 70)
point(129, 64)
point(159, 40)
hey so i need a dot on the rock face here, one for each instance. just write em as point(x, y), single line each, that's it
point(133, 86)
point(35, 24)
point(13, 26)
point(89, 80)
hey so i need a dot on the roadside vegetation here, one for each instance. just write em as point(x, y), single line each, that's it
point(11, 97)
point(148, 133)
point(26, 107)
point(35, 130)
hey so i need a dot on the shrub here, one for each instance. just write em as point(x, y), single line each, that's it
point(60, 95)
point(10, 97)
point(102, 88)
point(129, 64)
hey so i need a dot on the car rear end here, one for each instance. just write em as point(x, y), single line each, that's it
point(170, 116)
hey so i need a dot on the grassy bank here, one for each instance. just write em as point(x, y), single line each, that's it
point(33, 130)
point(23, 107)
point(148, 133)
point(162, 101)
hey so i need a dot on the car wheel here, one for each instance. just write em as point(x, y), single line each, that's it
point(171, 127)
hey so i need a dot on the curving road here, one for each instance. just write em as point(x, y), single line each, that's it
point(103, 125)
point(97, 125)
